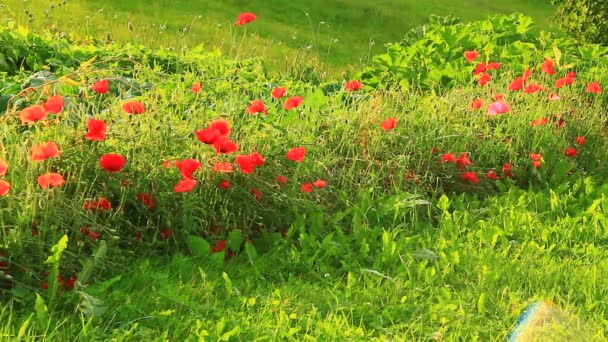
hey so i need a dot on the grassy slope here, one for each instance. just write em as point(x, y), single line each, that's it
point(283, 27)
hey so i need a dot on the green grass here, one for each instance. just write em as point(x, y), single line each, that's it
point(339, 36)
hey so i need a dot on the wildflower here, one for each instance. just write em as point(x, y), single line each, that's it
point(278, 92)
point(532, 88)
point(245, 18)
point(352, 85)
point(5, 187)
point(296, 154)
point(476, 104)
point(257, 106)
point(517, 84)
point(463, 161)
point(470, 177)
point(306, 188)
point(491, 174)
point(547, 67)
point(96, 205)
point(471, 55)
point(44, 151)
point(293, 102)
point(196, 87)
point(187, 167)
point(165, 234)
point(554, 97)
point(526, 75)
point(256, 194)
point(539, 122)
point(536, 164)
point(580, 141)
point(112, 162)
point(50, 179)
point(207, 135)
point(319, 183)
point(224, 185)
point(448, 158)
point(282, 180)
point(480, 68)
point(568, 80)
point(218, 247)
point(32, 114)
point(147, 200)
point(3, 167)
point(54, 104)
point(245, 163)
point(97, 130)
point(101, 86)
point(484, 79)
point(223, 167)
point(133, 107)
point(185, 185)
point(389, 124)
point(493, 65)
point(570, 152)
point(594, 87)
point(506, 169)
point(221, 126)
point(536, 156)
point(498, 107)
point(499, 97)
point(224, 145)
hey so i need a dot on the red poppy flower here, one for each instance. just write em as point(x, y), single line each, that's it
point(223, 167)
point(498, 107)
point(207, 135)
point(32, 114)
point(493, 66)
point(218, 247)
point(484, 79)
point(224, 185)
point(45, 150)
point(570, 152)
point(167, 164)
point(293, 102)
point(96, 205)
point(224, 145)
point(499, 97)
point(101, 86)
point(547, 67)
point(536, 156)
point(257, 159)
point(221, 126)
point(470, 177)
point(296, 154)
point(532, 88)
point(306, 188)
point(506, 169)
point(435, 150)
point(526, 75)
point(463, 161)
point(282, 180)
point(54, 104)
point(3, 167)
point(580, 141)
point(97, 130)
point(480, 68)
point(353, 85)
point(196, 87)
point(476, 104)
point(594, 87)
point(257, 106)
point(245, 18)
point(448, 158)
point(471, 55)
point(554, 97)
point(5, 187)
point(185, 185)
point(564, 81)
point(133, 107)
point(492, 175)
point(245, 163)
point(536, 164)
point(517, 84)
point(389, 124)
point(539, 122)
point(147, 200)
point(278, 92)
point(165, 234)
point(187, 167)
point(112, 162)
point(256, 194)
point(50, 179)
point(319, 183)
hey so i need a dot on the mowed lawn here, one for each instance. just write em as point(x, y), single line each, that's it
point(336, 33)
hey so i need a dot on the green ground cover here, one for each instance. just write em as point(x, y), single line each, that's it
point(416, 214)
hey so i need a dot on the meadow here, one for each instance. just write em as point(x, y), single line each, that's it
point(169, 193)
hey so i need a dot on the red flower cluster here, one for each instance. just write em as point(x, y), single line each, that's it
point(217, 135)
point(97, 205)
point(248, 163)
